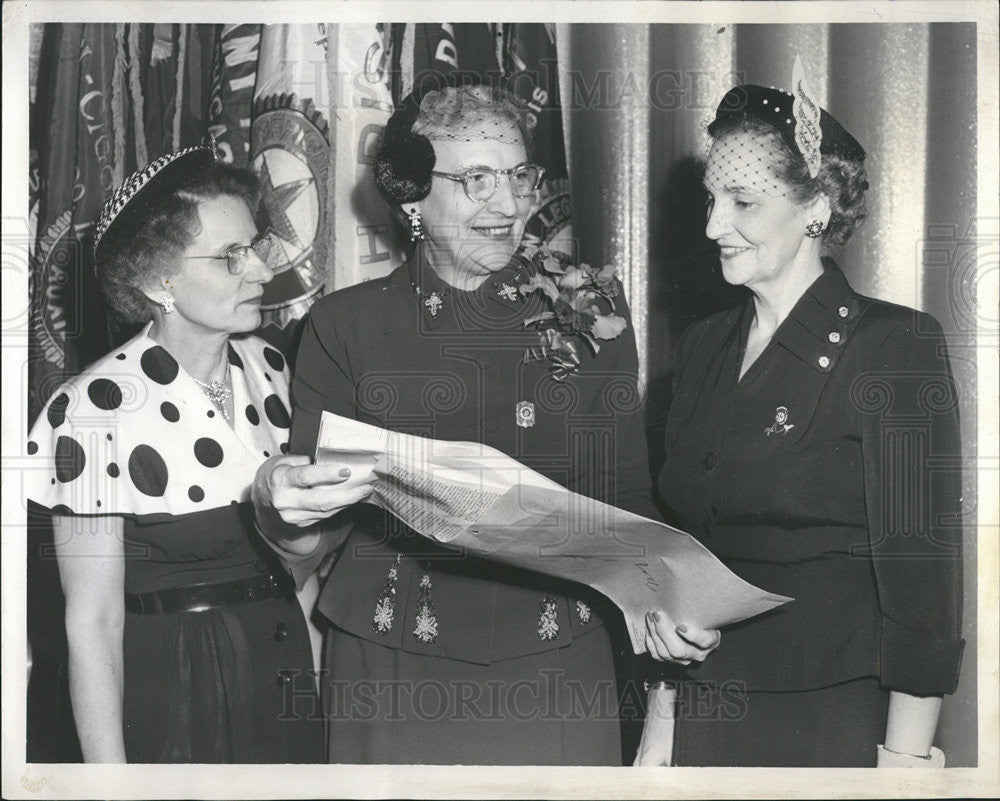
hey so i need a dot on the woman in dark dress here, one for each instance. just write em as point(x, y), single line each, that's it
point(801, 444)
point(434, 656)
point(186, 641)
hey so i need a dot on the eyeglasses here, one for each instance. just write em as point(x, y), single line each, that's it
point(238, 255)
point(480, 183)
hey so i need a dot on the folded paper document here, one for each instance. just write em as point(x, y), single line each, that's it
point(474, 497)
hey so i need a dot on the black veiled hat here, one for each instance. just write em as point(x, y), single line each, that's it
point(775, 107)
point(145, 189)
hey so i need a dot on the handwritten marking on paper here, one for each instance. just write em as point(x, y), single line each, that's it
point(651, 582)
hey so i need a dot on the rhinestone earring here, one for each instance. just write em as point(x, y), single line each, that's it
point(416, 225)
point(815, 229)
point(167, 302)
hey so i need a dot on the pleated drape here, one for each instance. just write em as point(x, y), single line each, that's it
point(637, 100)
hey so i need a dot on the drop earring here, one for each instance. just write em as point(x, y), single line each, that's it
point(815, 228)
point(416, 225)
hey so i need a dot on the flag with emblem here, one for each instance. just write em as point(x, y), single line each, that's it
point(290, 151)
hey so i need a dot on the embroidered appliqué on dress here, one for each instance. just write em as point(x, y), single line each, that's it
point(548, 626)
point(583, 612)
point(385, 606)
point(426, 629)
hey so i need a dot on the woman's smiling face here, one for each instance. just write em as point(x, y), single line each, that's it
point(754, 216)
point(476, 238)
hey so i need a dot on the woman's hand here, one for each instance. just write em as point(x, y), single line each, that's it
point(290, 494)
point(683, 644)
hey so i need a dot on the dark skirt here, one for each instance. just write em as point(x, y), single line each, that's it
point(232, 684)
point(388, 706)
point(836, 726)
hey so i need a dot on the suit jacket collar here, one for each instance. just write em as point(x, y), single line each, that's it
point(820, 323)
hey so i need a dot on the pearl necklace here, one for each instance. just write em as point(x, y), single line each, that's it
point(217, 392)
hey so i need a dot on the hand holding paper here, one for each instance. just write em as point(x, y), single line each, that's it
point(290, 493)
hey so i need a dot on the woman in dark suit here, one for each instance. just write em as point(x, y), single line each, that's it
point(434, 656)
point(801, 444)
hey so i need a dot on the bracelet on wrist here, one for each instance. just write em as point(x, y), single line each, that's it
point(905, 753)
point(887, 758)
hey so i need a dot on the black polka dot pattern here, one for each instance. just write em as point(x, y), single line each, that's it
point(234, 358)
point(156, 454)
point(159, 365)
point(70, 459)
point(105, 394)
point(57, 410)
point(148, 471)
point(274, 358)
point(208, 452)
point(276, 412)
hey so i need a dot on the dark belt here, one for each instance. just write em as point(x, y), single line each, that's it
point(200, 597)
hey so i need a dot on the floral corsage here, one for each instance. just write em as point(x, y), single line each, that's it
point(581, 302)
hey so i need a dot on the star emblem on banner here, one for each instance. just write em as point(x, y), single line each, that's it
point(277, 200)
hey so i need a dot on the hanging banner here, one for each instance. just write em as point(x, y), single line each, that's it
point(530, 64)
point(233, 90)
point(74, 136)
point(432, 51)
point(361, 244)
point(290, 151)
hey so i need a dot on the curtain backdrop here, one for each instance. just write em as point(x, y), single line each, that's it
point(624, 107)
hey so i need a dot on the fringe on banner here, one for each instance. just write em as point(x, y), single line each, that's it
point(135, 85)
point(406, 60)
point(163, 43)
point(335, 131)
point(117, 104)
point(179, 93)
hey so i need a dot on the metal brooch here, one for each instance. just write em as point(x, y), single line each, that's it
point(524, 414)
point(780, 424)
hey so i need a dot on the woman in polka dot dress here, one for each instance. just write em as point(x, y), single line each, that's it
point(185, 642)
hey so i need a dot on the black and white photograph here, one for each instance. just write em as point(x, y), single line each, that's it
point(401, 393)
